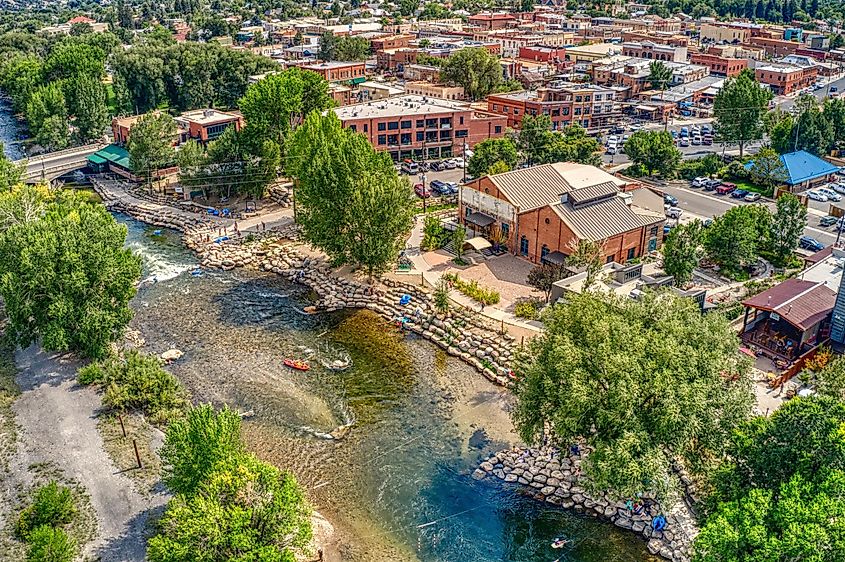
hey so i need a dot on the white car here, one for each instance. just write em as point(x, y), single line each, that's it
point(700, 181)
point(831, 195)
point(838, 187)
point(816, 195)
point(673, 212)
point(460, 162)
point(611, 140)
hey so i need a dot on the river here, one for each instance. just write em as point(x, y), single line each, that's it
point(399, 486)
point(9, 129)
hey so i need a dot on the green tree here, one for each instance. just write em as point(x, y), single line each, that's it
point(814, 132)
point(244, 510)
point(47, 116)
point(767, 169)
point(70, 59)
point(277, 104)
point(659, 75)
point(20, 78)
point(150, 144)
point(490, 151)
point(352, 48)
point(738, 108)
point(328, 47)
point(830, 379)
point(544, 275)
point(526, 5)
point(782, 135)
point(475, 69)
point(87, 102)
point(195, 445)
point(778, 494)
point(834, 113)
point(10, 173)
point(655, 151)
point(735, 239)
point(50, 544)
point(682, 251)
point(631, 378)
point(788, 225)
point(239, 161)
point(350, 201)
point(535, 138)
point(459, 236)
point(573, 145)
point(589, 255)
point(65, 276)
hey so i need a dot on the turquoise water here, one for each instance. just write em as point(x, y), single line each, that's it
point(398, 487)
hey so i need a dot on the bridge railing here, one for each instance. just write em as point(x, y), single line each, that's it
point(50, 155)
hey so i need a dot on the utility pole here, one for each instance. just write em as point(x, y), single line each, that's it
point(465, 161)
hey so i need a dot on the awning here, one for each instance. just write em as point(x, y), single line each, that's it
point(478, 243)
point(554, 258)
point(94, 159)
point(480, 219)
point(645, 108)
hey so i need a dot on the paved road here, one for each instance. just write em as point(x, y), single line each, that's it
point(701, 204)
point(786, 102)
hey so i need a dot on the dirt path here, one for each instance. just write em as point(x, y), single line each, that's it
point(57, 425)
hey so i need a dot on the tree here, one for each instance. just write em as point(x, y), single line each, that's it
point(47, 116)
point(830, 379)
point(65, 276)
point(633, 378)
point(441, 297)
point(655, 151)
point(814, 133)
point(150, 144)
point(544, 275)
point(682, 251)
point(778, 494)
point(241, 161)
point(50, 544)
point(351, 48)
point(587, 254)
point(573, 145)
point(837, 41)
point(475, 69)
point(70, 59)
point(659, 75)
point(459, 236)
point(788, 225)
point(489, 152)
point(87, 102)
point(350, 201)
point(328, 46)
point(196, 444)
point(277, 104)
point(738, 108)
point(10, 173)
point(834, 113)
point(535, 138)
point(21, 77)
point(782, 136)
point(526, 5)
point(735, 238)
point(767, 169)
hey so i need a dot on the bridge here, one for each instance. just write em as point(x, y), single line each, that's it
point(47, 167)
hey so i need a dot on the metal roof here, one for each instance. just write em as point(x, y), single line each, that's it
point(801, 303)
point(803, 166)
point(602, 219)
point(112, 153)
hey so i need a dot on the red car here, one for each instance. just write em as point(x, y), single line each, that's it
point(422, 191)
point(725, 188)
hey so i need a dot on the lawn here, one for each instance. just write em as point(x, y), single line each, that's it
point(748, 186)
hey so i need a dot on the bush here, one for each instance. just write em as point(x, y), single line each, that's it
point(52, 506)
point(528, 309)
point(137, 382)
point(48, 544)
point(473, 290)
point(737, 171)
point(706, 166)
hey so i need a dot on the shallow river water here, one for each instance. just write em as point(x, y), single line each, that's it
point(398, 487)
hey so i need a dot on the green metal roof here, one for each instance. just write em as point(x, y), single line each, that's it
point(112, 153)
point(96, 159)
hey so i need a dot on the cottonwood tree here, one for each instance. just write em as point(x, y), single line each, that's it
point(350, 201)
point(633, 378)
point(490, 151)
point(87, 102)
point(735, 239)
point(65, 276)
point(768, 170)
point(10, 173)
point(788, 225)
point(150, 144)
point(655, 151)
point(682, 251)
point(475, 69)
point(739, 107)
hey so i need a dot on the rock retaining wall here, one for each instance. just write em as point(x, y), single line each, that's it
point(555, 477)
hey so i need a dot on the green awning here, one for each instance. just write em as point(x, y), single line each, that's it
point(112, 153)
point(359, 80)
point(94, 159)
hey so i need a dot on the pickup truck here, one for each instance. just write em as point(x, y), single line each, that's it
point(725, 188)
point(673, 212)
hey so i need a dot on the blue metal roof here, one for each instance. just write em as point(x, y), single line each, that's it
point(803, 166)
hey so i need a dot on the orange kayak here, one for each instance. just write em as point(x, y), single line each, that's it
point(297, 364)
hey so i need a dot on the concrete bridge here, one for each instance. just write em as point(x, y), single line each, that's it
point(47, 167)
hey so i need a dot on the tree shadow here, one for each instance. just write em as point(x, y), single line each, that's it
point(37, 367)
point(131, 545)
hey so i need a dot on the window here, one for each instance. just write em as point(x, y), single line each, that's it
point(393, 126)
point(461, 120)
point(497, 129)
point(431, 123)
point(507, 109)
point(544, 251)
point(609, 259)
point(565, 111)
point(445, 135)
point(495, 107)
point(420, 136)
point(632, 253)
point(577, 98)
point(523, 246)
point(446, 122)
point(353, 127)
point(516, 111)
point(405, 124)
point(653, 231)
point(382, 139)
point(420, 123)
point(506, 228)
point(577, 111)
point(406, 138)
point(365, 128)
point(382, 126)
point(461, 134)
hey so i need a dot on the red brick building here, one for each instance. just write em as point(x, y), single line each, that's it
point(775, 48)
point(571, 104)
point(354, 72)
point(205, 125)
point(416, 126)
point(785, 78)
point(545, 210)
point(723, 66)
point(390, 42)
point(488, 21)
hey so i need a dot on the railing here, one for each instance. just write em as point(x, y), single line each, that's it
point(50, 155)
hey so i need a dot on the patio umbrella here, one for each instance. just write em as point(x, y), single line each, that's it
point(748, 352)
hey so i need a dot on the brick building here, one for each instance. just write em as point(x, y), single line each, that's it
point(390, 42)
point(724, 33)
point(785, 78)
point(660, 38)
point(406, 126)
point(654, 51)
point(722, 66)
point(545, 210)
point(353, 72)
point(490, 21)
point(566, 104)
point(205, 125)
point(775, 48)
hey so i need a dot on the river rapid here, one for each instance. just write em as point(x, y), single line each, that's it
point(398, 487)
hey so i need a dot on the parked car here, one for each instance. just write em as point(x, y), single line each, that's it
point(422, 191)
point(739, 193)
point(450, 164)
point(725, 188)
point(831, 195)
point(684, 132)
point(674, 134)
point(816, 195)
point(460, 162)
point(612, 139)
point(810, 243)
point(452, 187)
point(666, 229)
point(828, 220)
point(707, 140)
point(439, 187)
point(437, 166)
point(833, 89)
point(683, 142)
point(410, 167)
point(712, 184)
point(673, 212)
point(636, 127)
point(700, 181)
point(617, 130)
point(696, 141)
point(670, 200)
point(705, 129)
point(752, 196)
point(838, 187)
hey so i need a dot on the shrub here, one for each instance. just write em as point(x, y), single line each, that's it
point(529, 309)
point(52, 506)
point(48, 544)
point(441, 297)
point(473, 290)
point(137, 382)
point(434, 235)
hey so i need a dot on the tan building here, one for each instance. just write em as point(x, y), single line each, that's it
point(435, 90)
point(654, 51)
point(724, 33)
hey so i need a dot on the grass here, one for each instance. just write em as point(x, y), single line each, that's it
point(122, 453)
point(9, 391)
point(473, 290)
point(753, 187)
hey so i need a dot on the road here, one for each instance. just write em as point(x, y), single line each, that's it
point(785, 102)
point(701, 204)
